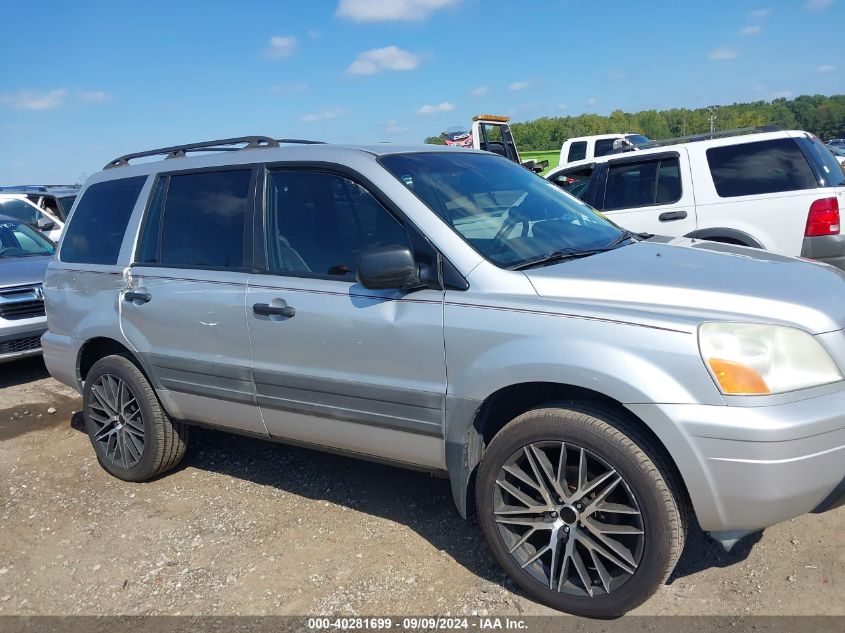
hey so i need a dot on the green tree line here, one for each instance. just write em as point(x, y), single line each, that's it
point(821, 115)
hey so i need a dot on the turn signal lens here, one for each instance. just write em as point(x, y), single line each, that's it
point(736, 378)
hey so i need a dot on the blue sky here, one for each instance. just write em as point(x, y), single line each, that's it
point(87, 81)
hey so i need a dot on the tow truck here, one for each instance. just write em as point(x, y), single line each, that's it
point(492, 133)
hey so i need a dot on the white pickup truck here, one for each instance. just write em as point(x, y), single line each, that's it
point(491, 133)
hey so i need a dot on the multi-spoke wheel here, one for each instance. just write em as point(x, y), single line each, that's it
point(133, 438)
point(115, 410)
point(578, 509)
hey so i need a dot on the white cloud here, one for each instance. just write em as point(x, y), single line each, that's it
point(591, 102)
point(481, 91)
point(314, 34)
point(289, 89)
point(33, 99)
point(390, 10)
point(723, 53)
point(93, 96)
point(754, 29)
point(826, 69)
point(322, 116)
point(562, 106)
point(393, 127)
point(433, 109)
point(817, 5)
point(759, 14)
point(616, 75)
point(519, 85)
point(378, 59)
point(783, 94)
point(281, 46)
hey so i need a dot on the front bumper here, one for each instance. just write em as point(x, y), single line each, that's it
point(748, 467)
point(21, 340)
point(828, 249)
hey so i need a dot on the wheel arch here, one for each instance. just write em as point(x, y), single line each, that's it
point(726, 235)
point(99, 347)
point(467, 442)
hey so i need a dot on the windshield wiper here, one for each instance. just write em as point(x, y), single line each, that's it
point(558, 256)
point(626, 235)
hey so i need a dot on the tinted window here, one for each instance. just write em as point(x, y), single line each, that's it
point(96, 230)
point(642, 184)
point(762, 167)
point(604, 146)
point(198, 220)
point(19, 210)
point(577, 151)
point(318, 223)
point(505, 212)
point(827, 167)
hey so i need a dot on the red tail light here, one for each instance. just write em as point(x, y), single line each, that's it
point(823, 218)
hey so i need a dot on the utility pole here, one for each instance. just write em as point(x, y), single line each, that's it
point(712, 111)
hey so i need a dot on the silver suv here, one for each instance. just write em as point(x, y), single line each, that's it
point(587, 392)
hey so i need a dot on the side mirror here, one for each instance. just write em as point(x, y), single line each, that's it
point(388, 267)
point(45, 224)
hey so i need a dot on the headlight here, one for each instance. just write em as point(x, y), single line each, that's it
point(750, 358)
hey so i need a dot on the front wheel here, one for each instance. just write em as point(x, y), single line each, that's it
point(579, 510)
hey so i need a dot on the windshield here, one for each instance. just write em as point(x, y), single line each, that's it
point(19, 240)
point(506, 213)
point(638, 139)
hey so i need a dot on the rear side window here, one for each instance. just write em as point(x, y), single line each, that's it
point(96, 230)
point(642, 184)
point(604, 146)
point(198, 220)
point(577, 151)
point(763, 167)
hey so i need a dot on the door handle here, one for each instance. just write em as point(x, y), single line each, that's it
point(136, 295)
point(265, 309)
point(671, 216)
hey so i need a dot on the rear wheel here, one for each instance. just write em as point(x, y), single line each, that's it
point(580, 512)
point(133, 437)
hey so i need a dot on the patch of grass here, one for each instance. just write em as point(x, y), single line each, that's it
point(551, 155)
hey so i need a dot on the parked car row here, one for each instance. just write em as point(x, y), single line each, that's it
point(588, 390)
point(781, 191)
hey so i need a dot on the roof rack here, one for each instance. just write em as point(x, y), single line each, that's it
point(706, 136)
point(180, 151)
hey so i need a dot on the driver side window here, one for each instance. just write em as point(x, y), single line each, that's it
point(318, 223)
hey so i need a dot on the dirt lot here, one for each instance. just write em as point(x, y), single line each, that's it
point(251, 527)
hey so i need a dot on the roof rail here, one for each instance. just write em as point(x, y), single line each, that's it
point(299, 141)
point(179, 151)
point(706, 136)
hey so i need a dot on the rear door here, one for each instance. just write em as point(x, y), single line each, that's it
point(183, 309)
point(337, 364)
point(649, 193)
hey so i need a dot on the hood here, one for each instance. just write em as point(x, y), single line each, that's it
point(695, 280)
point(21, 271)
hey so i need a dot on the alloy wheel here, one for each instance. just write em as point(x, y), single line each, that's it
point(116, 414)
point(568, 519)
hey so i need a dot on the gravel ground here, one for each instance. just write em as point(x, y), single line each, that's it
point(251, 527)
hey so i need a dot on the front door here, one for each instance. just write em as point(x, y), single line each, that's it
point(184, 306)
point(336, 364)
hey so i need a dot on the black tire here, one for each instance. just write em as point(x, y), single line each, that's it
point(164, 440)
point(615, 440)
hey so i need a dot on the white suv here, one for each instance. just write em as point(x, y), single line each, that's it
point(780, 191)
point(584, 147)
